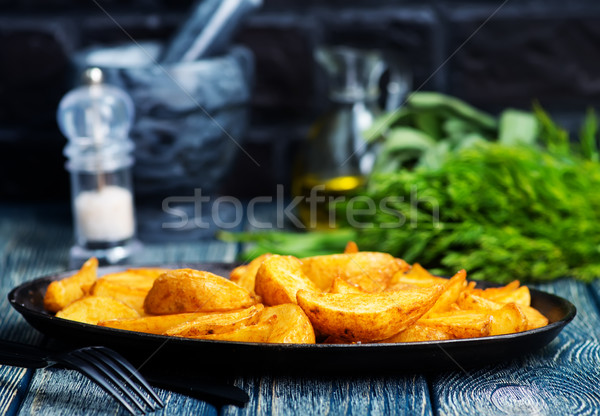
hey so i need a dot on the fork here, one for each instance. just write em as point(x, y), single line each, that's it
point(113, 373)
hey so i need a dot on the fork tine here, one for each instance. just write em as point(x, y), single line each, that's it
point(96, 376)
point(119, 360)
point(122, 385)
point(117, 366)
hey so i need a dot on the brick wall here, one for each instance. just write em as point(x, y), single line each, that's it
point(549, 50)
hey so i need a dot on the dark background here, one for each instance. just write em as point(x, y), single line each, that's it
point(546, 50)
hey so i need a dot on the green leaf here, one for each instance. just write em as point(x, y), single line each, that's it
point(554, 137)
point(434, 101)
point(383, 123)
point(403, 144)
point(429, 123)
point(517, 127)
point(587, 136)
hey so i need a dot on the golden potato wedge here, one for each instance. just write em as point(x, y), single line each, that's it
point(416, 276)
point(279, 278)
point(151, 324)
point(282, 324)
point(369, 270)
point(245, 276)
point(236, 274)
point(252, 333)
point(471, 287)
point(470, 301)
point(520, 296)
point(187, 290)
point(367, 317)
point(150, 272)
point(217, 322)
point(351, 247)
point(453, 307)
point(418, 333)
point(535, 319)
point(494, 292)
point(400, 286)
point(258, 332)
point(290, 326)
point(129, 287)
point(92, 309)
point(341, 286)
point(508, 320)
point(460, 324)
point(453, 288)
point(62, 292)
point(336, 340)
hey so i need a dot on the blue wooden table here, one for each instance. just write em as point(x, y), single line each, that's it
point(560, 379)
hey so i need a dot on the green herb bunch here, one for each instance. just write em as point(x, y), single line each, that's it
point(501, 212)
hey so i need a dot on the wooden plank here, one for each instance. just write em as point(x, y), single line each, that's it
point(595, 291)
point(560, 379)
point(334, 396)
point(20, 260)
point(191, 252)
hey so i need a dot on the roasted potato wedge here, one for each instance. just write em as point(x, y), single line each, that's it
point(367, 317)
point(187, 290)
point(419, 333)
point(351, 248)
point(494, 292)
point(461, 324)
point(259, 332)
point(508, 320)
point(63, 292)
point(245, 276)
point(151, 272)
point(290, 326)
point(453, 288)
point(236, 274)
point(129, 287)
point(506, 294)
point(520, 296)
point(283, 324)
point(92, 309)
point(339, 285)
point(217, 322)
point(369, 270)
point(471, 301)
point(416, 276)
point(534, 318)
point(151, 324)
point(279, 278)
point(336, 340)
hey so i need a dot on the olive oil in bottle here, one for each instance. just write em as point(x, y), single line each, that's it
point(317, 209)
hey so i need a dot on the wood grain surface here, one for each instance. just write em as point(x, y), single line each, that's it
point(560, 379)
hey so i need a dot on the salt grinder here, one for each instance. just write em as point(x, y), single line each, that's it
point(96, 119)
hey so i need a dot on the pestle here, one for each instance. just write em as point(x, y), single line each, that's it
point(208, 31)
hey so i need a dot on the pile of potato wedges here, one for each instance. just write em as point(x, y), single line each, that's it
point(351, 297)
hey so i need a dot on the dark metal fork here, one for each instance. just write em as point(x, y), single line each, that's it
point(113, 373)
